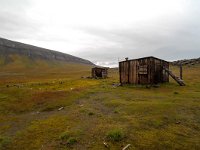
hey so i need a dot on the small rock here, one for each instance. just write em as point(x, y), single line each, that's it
point(178, 122)
point(156, 86)
point(37, 112)
point(106, 144)
point(148, 86)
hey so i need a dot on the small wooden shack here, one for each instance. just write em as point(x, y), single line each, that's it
point(99, 72)
point(147, 70)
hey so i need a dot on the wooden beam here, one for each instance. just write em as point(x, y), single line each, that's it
point(177, 79)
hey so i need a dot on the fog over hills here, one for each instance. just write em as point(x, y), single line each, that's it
point(8, 47)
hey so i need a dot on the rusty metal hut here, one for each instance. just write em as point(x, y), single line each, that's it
point(147, 70)
point(100, 72)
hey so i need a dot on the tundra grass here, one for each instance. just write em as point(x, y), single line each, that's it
point(97, 114)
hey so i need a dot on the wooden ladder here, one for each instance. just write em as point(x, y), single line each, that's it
point(177, 79)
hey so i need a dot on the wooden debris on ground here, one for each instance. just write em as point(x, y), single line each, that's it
point(126, 147)
point(61, 108)
point(114, 85)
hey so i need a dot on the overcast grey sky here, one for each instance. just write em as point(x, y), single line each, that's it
point(105, 31)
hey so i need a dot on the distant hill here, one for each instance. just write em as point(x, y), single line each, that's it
point(11, 50)
point(187, 62)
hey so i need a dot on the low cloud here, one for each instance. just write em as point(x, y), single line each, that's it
point(106, 36)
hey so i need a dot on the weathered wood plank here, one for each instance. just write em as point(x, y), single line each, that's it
point(148, 70)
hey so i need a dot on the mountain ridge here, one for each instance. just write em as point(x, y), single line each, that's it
point(9, 47)
point(186, 62)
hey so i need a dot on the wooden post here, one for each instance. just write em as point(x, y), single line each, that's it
point(120, 78)
point(181, 72)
